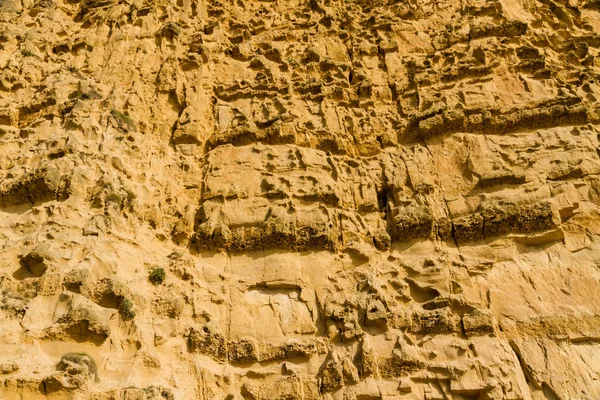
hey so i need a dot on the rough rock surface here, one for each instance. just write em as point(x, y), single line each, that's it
point(300, 200)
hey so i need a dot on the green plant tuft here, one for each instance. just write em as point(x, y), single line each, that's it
point(114, 197)
point(125, 307)
point(157, 275)
point(81, 359)
point(123, 119)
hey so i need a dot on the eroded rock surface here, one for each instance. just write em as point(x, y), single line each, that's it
point(309, 199)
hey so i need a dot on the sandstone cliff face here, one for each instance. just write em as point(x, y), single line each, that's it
point(299, 200)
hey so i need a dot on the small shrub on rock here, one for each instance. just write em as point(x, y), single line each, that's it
point(157, 275)
point(79, 359)
point(125, 307)
point(124, 120)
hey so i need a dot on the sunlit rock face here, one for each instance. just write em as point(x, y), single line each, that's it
point(299, 200)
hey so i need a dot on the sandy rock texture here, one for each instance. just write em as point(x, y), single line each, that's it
point(300, 200)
